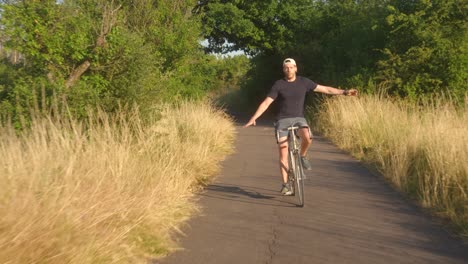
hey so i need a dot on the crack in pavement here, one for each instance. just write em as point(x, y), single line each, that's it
point(273, 242)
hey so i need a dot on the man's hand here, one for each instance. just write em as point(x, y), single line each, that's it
point(353, 92)
point(251, 122)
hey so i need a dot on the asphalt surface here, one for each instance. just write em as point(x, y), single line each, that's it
point(350, 215)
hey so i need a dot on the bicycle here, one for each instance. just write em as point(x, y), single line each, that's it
point(295, 171)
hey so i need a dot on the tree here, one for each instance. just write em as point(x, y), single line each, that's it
point(252, 26)
point(427, 50)
point(102, 52)
point(333, 41)
point(414, 47)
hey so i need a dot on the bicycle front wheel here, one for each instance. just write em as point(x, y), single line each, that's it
point(299, 179)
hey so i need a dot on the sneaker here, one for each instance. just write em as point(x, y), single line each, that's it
point(287, 190)
point(306, 164)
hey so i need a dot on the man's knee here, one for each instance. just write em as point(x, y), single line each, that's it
point(283, 147)
point(306, 135)
point(307, 139)
point(282, 143)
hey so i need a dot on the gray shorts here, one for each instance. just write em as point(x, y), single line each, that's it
point(287, 122)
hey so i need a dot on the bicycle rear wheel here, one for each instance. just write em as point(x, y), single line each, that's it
point(299, 179)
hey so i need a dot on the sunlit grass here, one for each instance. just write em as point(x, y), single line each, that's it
point(421, 148)
point(110, 189)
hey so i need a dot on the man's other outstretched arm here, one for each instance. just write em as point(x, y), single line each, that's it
point(334, 91)
point(261, 109)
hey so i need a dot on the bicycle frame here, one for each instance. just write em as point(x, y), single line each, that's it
point(293, 143)
point(295, 171)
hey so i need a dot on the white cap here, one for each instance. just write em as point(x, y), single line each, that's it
point(289, 60)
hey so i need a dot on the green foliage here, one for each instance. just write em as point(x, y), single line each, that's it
point(90, 52)
point(120, 52)
point(231, 76)
point(53, 38)
point(413, 48)
point(253, 26)
point(426, 51)
point(332, 41)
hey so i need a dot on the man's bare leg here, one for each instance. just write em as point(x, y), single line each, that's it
point(283, 157)
point(306, 140)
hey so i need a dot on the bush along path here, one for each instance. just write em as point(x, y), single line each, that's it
point(110, 189)
point(420, 148)
point(350, 215)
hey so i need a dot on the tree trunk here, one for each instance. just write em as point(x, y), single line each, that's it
point(109, 18)
point(76, 74)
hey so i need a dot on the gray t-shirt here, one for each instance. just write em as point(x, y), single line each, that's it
point(291, 96)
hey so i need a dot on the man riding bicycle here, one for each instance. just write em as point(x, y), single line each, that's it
point(291, 92)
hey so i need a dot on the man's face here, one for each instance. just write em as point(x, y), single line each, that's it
point(289, 70)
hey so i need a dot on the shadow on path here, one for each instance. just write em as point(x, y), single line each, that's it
point(237, 190)
point(241, 195)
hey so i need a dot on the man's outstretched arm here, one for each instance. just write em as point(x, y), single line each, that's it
point(261, 109)
point(334, 91)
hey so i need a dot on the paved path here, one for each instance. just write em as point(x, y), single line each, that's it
point(350, 215)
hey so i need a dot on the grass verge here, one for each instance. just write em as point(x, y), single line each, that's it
point(422, 149)
point(110, 189)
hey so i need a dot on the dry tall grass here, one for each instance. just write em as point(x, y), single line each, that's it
point(109, 190)
point(423, 150)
